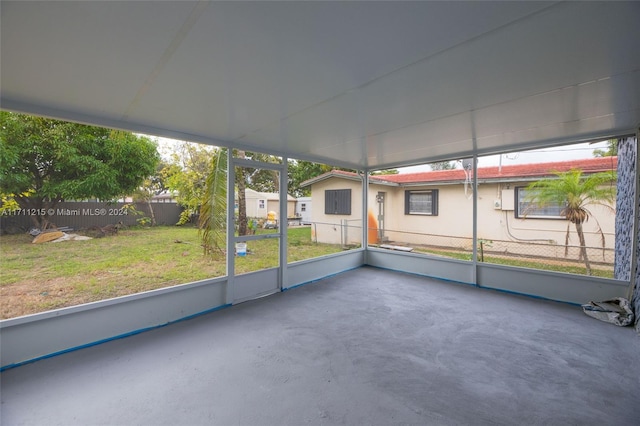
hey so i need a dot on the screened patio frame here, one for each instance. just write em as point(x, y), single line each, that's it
point(29, 338)
point(366, 86)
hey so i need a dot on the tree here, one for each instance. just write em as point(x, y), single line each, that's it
point(576, 192)
point(46, 161)
point(300, 171)
point(261, 180)
point(241, 186)
point(213, 211)
point(150, 187)
point(443, 165)
point(186, 175)
point(385, 172)
point(612, 149)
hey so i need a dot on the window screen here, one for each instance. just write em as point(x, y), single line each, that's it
point(421, 202)
point(526, 208)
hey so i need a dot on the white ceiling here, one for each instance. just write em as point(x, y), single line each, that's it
point(359, 84)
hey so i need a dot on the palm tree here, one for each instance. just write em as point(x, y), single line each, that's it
point(213, 209)
point(576, 192)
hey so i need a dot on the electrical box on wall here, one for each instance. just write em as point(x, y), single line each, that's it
point(508, 200)
point(497, 204)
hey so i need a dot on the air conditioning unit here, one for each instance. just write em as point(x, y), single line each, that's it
point(497, 204)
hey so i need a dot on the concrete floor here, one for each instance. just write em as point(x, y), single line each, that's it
point(364, 347)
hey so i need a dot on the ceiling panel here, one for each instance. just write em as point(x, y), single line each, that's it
point(363, 84)
point(79, 58)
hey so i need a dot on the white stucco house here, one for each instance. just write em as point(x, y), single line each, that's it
point(435, 208)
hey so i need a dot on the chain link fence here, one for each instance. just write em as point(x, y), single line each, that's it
point(346, 232)
point(537, 255)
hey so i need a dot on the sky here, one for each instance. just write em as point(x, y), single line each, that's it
point(561, 153)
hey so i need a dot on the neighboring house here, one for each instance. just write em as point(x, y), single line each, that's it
point(260, 203)
point(165, 197)
point(303, 210)
point(418, 208)
point(337, 207)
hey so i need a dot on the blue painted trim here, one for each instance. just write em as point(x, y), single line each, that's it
point(320, 279)
point(109, 339)
point(425, 276)
point(533, 296)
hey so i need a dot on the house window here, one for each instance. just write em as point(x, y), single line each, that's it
point(525, 208)
point(421, 202)
point(337, 201)
point(261, 204)
point(303, 207)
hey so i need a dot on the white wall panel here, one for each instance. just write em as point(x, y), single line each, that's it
point(40, 335)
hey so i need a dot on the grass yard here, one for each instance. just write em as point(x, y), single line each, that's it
point(39, 277)
point(546, 265)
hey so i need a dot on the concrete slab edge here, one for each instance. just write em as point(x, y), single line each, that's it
point(483, 287)
point(109, 339)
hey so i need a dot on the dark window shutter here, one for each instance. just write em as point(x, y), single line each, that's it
point(434, 195)
point(329, 201)
point(337, 201)
point(344, 201)
point(407, 196)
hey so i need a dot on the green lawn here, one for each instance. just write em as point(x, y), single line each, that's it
point(39, 277)
point(525, 263)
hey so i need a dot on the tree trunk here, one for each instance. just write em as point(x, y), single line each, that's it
point(276, 180)
point(583, 248)
point(37, 210)
point(151, 213)
point(242, 200)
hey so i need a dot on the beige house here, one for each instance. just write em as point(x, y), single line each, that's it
point(435, 208)
point(260, 203)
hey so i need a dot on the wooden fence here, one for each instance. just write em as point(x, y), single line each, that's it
point(86, 214)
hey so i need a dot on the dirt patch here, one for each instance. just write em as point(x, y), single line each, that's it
point(27, 297)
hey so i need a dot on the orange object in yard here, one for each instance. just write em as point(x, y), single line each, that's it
point(372, 227)
point(45, 237)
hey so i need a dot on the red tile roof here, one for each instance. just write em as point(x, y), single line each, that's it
point(519, 171)
point(509, 173)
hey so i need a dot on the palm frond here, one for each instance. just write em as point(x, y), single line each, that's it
point(575, 192)
point(213, 211)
